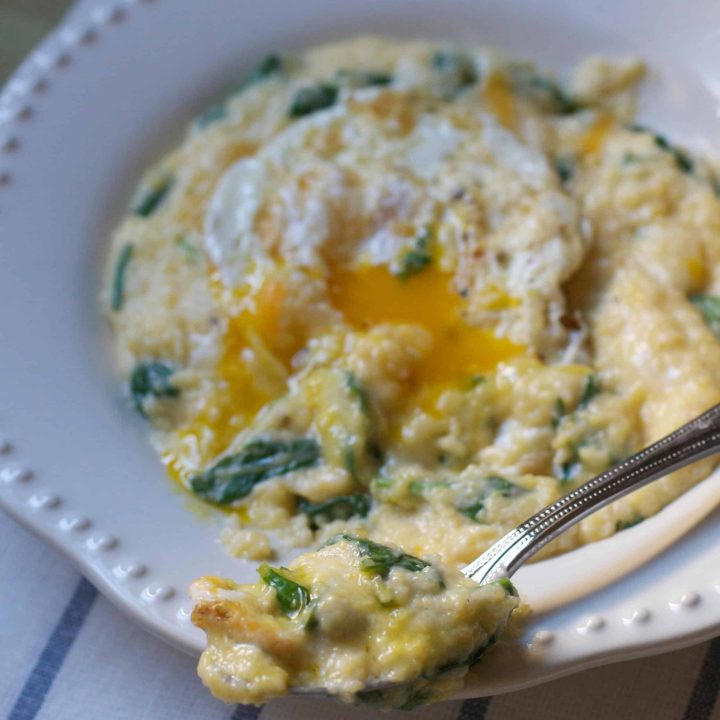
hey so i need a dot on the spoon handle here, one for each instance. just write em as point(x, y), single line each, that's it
point(693, 441)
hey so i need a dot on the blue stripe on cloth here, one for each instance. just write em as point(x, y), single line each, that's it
point(38, 684)
point(246, 712)
point(707, 686)
point(474, 709)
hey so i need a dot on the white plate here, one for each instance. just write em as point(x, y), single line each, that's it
point(81, 119)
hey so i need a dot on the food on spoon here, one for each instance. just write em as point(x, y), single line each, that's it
point(366, 621)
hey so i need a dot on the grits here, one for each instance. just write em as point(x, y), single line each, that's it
point(375, 615)
point(411, 293)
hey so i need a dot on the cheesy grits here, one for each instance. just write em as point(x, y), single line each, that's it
point(404, 295)
point(351, 615)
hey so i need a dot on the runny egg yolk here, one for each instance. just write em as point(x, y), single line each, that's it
point(371, 295)
point(257, 350)
point(252, 370)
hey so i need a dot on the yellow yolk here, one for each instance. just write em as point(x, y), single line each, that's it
point(257, 349)
point(372, 295)
point(252, 342)
point(500, 100)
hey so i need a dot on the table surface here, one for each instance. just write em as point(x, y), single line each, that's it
point(74, 655)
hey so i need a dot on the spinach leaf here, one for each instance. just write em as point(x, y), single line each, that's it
point(457, 67)
point(477, 654)
point(494, 484)
point(507, 585)
point(469, 660)
point(370, 697)
point(310, 99)
point(351, 464)
point(358, 451)
point(234, 477)
point(590, 389)
point(356, 78)
point(565, 167)
point(357, 389)
point(382, 483)
point(569, 468)
point(374, 451)
point(709, 307)
point(566, 470)
point(416, 698)
point(542, 90)
point(380, 559)
point(625, 524)
point(184, 243)
point(151, 379)
point(149, 198)
point(342, 507)
point(292, 597)
point(118, 286)
point(212, 115)
point(558, 413)
point(267, 67)
point(420, 488)
point(682, 159)
point(312, 623)
point(270, 65)
point(503, 486)
point(715, 185)
point(417, 259)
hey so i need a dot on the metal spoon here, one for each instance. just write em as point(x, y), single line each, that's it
point(694, 441)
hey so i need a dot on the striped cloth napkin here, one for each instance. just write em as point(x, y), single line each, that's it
point(66, 653)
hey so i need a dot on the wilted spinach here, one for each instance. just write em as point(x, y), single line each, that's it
point(542, 90)
point(493, 485)
point(625, 524)
point(149, 197)
point(292, 597)
point(380, 559)
point(709, 307)
point(342, 507)
point(312, 98)
point(151, 379)
point(118, 286)
point(234, 477)
point(417, 259)
point(590, 389)
point(356, 78)
point(458, 68)
point(270, 65)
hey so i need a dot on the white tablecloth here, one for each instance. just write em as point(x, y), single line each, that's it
point(66, 654)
